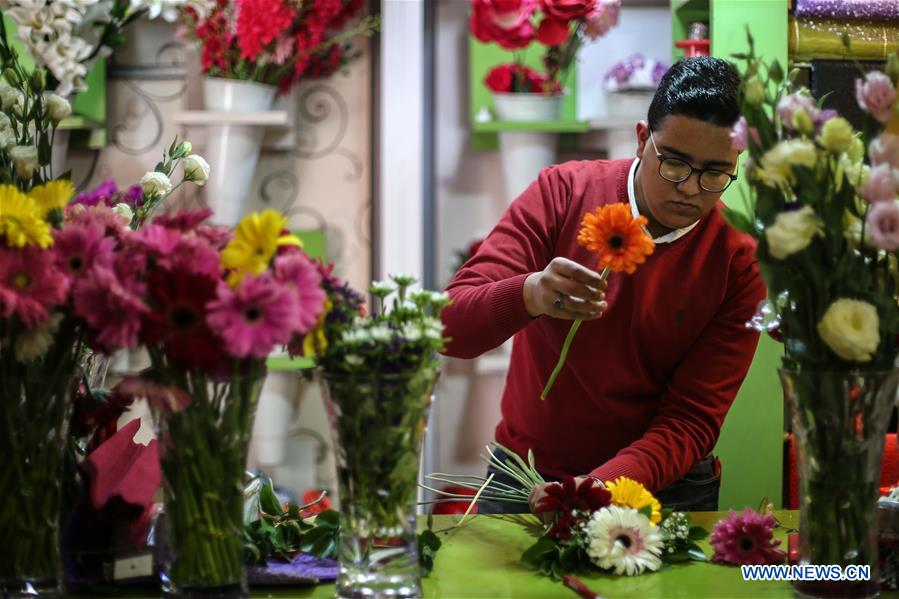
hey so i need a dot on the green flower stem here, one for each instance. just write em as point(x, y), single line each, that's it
point(567, 345)
point(203, 461)
point(35, 405)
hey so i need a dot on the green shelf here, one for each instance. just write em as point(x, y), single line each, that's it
point(535, 126)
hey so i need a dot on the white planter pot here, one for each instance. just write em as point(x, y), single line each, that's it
point(632, 104)
point(233, 150)
point(59, 152)
point(528, 107)
point(525, 153)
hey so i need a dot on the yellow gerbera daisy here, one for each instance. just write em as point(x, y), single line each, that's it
point(21, 221)
point(256, 239)
point(52, 195)
point(629, 493)
point(315, 342)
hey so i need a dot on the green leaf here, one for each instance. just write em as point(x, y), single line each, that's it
point(328, 518)
point(428, 545)
point(775, 71)
point(268, 501)
point(697, 533)
point(535, 555)
point(646, 510)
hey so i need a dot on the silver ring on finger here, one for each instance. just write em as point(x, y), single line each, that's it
point(559, 301)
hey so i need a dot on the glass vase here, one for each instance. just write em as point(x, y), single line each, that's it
point(203, 454)
point(378, 421)
point(839, 423)
point(34, 416)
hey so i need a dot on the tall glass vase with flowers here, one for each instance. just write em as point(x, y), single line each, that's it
point(209, 307)
point(561, 26)
point(377, 372)
point(39, 341)
point(824, 211)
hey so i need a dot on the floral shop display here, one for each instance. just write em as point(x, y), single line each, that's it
point(377, 372)
point(251, 50)
point(825, 213)
point(209, 306)
point(533, 91)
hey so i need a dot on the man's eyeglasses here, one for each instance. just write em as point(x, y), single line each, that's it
point(676, 170)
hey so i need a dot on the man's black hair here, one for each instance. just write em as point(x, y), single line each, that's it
point(702, 87)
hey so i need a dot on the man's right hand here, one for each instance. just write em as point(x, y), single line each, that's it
point(580, 289)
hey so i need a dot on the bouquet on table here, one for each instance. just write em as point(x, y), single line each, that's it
point(563, 27)
point(617, 527)
point(378, 370)
point(276, 43)
point(825, 213)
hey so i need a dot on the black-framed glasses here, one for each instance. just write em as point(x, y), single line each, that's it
point(676, 170)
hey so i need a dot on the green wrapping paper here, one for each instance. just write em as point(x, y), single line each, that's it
point(820, 38)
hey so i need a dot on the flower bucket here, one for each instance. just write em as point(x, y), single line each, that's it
point(839, 421)
point(378, 422)
point(233, 149)
point(525, 153)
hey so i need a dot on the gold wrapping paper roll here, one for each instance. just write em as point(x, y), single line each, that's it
point(821, 38)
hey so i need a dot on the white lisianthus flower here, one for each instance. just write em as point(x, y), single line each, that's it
point(356, 336)
point(622, 539)
point(24, 158)
point(778, 162)
point(402, 278)
point(412, 332)
point(12, 100)
point(155, 184)
point(354, 360)
point(381, 288)
point(381, 333)
point(34, 342)
point(124, 210)
point(792, 232)
point(432, 328)
point(196, 169)
point(57, 107)
point(836, 135)
point(851, 329)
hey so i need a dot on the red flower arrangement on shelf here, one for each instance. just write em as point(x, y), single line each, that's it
point(276, 42)
point(560, 25)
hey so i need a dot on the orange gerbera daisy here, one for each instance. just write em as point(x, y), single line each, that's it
point(617, 237)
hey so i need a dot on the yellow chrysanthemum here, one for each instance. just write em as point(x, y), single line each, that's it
point(629, 493)
point(21, 222)
point(52, 195)
point(315, 342)
point(256, 239)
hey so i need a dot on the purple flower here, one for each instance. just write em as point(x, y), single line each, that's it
point(658, 71)
point(746, 538)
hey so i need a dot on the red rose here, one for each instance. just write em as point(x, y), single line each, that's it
point(506, 22)
point(499, 79)
point(567, 10)
point(540, 83)
point(552, 32)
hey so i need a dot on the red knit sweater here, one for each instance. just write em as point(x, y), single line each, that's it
point(646, 387)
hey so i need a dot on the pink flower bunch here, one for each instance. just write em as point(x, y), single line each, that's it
point(166, 287)
point(746, 539)
point(876, 94)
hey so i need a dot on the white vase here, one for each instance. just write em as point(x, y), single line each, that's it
point(525, 153)
point(528, 107)
point(233, 149)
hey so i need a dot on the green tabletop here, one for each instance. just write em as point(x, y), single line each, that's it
point(481, 559)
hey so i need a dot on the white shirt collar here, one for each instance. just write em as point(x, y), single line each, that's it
point(632, 198)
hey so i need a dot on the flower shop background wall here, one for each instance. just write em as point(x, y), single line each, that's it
point(320, 177)
point(470, 197)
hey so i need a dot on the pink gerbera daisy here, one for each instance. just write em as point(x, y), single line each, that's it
point(79, 247)
point(301, 276)
point(184, 220)
point(253, 318)
point(30, 283)
point(195, 255)
point(746, 539)
point(111, 309)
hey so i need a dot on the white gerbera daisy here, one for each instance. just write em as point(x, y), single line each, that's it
point(623, 539)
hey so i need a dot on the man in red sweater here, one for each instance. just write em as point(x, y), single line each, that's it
point(661, 354)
